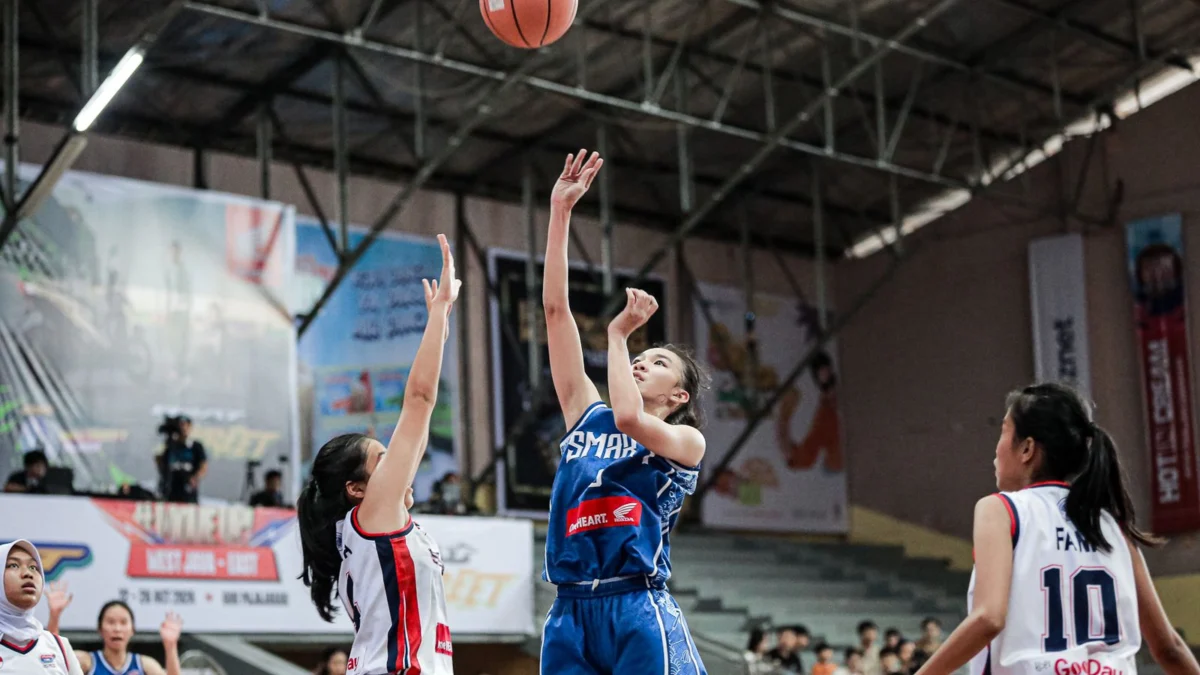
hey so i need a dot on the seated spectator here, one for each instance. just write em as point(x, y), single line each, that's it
point(824, 664)
point(272, 492)
point(889, 660)
point(853, 664)
point(906, 650)
point(30, 479)
point(789, 642)
point(868, 633)
point(931, 636)
point(333, 662)
point(892, 638)
point(756, 651)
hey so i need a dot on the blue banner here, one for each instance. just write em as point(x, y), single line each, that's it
point(354, 358)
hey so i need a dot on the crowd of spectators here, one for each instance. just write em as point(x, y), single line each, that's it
point(789, 653)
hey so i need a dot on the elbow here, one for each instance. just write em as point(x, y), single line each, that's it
point(420, 393)
point(991, 622)
point(627, 421)
point(555, 308)
point(1171, 651)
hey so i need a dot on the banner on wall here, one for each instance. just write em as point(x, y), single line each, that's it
point(790, 475)
point(1158, 277)
point(123, 301)
point(531, 459)
point(1058, 296)
point(233, 569)
point(355, 357)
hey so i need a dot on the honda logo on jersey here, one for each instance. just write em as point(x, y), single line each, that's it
point(594, 514)
point(601, 446)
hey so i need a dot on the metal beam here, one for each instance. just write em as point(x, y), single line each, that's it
point(12, 104)
point(482, 108)
point(570, 91)
point(694, 219)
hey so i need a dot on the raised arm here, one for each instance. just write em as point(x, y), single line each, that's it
point(383, 507)
point(1168, 649)
point(170, 631)
point(575, 391)
point(676, 442)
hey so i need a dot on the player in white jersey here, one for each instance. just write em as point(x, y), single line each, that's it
point(26, 648)
point(1060, 586)
point(356, 531)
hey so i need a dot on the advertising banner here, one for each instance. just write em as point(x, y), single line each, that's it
point(354, 358)
point(790, 475)
point(1158, 277)
point(1058, 296)
point(531, 459)
point(122, 302)
point(233, 569)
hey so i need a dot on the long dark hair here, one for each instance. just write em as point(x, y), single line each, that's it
point(1076, 450)
point(693, 380)
point(323, 503)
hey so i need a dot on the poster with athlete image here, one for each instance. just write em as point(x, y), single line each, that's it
point(790, 474)
point(531, 456)
point(354, 358)
point(123, 301)
point(1158, 277)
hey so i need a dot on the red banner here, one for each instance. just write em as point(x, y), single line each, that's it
point(1157, 273)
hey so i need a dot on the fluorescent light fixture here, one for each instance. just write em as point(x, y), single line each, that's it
point(1013, 164)
point(108, 89)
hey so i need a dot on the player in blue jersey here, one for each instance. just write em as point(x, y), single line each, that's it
point(622, 476)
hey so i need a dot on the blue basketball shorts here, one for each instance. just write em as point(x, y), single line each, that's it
point(641, 632)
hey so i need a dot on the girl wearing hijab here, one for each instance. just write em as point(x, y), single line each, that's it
point(26, 648)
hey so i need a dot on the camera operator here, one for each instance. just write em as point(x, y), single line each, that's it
point(272, 492)
point(182, 463)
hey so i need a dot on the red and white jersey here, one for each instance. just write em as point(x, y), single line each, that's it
point(47, 655)
point(391, 586)
point(1072, 609)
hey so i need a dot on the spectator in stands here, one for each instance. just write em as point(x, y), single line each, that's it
point(272, 492)
point(889, 661)
point(931, 636)
point(868, 634)
point(447, 496)
point(756, 652)
point(30, 479)
point(824, 664)
point(906, 650)
point(853, 664)
point(333, 662)
point(892, 638)
point(789, 642)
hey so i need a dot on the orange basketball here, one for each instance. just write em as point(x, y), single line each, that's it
point(528, 24)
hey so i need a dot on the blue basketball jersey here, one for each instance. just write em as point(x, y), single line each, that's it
point(612, 506)
point(133, 665)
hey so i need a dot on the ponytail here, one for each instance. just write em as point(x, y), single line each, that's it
point(323, 503)
point(1100, 487)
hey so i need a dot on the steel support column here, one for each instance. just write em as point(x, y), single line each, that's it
point(695, 218)
point(532, 305)
point(12, 105)
point(606, 219)
point(818, 212)
point(463, 322)
point(341, 153)
point(263, 142)
point(90, 70)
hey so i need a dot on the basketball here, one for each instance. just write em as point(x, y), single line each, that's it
point(528, 24)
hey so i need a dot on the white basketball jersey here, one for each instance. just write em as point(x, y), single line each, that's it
point(391, 587)
point(1072, 609)
point(49, 654)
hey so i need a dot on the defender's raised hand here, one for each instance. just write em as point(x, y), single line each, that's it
point(576, 178)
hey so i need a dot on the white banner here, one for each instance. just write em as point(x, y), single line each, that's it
point(790, 475)
point(1058, 297)
point(232, 569)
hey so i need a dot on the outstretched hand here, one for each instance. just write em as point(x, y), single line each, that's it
point(639, 307)
point(576, 178)
point(171, 629)
point(440, 295)
point(58, 596)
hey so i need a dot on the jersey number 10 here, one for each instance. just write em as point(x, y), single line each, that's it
point(1082, 583)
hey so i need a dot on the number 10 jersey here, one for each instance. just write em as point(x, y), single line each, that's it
point(1072, 608)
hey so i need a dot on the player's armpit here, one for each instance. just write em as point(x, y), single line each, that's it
point(1166, 646)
